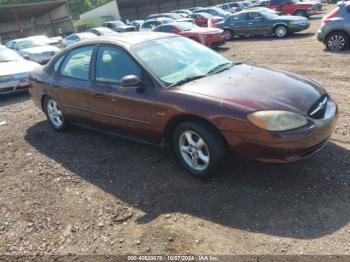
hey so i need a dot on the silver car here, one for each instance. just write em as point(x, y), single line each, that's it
point(335, 28)
point(74, 38)
point(33, 49)
point(14, 71)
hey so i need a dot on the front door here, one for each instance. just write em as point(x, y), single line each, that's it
point(128, 111)
point(258, 24)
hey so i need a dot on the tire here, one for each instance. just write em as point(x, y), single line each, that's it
point(301, 13)
point(199, 148)
point(337, 41)
point(54, 115)
point(281, 31)
point(228, 34)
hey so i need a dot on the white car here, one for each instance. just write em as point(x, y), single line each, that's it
point(54, 41)
point(74, 38)
point(14, 71)
point(33, 49)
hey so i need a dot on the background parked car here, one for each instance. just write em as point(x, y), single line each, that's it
point(214, 11)
point(293, 7)
point(74, 38)
point(149, 25)
point(119, 26)
point(207, 36)
point(100, 31)
point(174, 16)
point(229, 7)
point(54, 41)
point(137, 24)
point(335, 28)
point(33, 49)
point(262, 21)
point(182, 11)
point(201, 19)
point(14, 71)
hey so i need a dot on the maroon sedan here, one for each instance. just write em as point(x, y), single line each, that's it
point(207, 36)
point(168, 90)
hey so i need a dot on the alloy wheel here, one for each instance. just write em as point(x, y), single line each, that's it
point(228, 35)
point(55, 114)
point(336, 42)
point(281, 31)
point(194, 150)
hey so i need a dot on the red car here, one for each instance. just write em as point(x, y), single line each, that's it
point(207, 36)
point(294, 7)
point(201, 19)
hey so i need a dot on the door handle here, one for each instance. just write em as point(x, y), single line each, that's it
point(56, 86)
point(99, 95)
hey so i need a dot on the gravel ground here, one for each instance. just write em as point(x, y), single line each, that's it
point(82, 192)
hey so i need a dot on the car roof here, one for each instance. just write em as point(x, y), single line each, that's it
point(126, 40)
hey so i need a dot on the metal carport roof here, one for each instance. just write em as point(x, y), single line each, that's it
point(8, 13)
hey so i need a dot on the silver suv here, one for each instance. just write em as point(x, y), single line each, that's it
point(335, 28)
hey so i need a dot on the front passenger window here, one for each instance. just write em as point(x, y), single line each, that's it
point(77, 63)
point(113, 64)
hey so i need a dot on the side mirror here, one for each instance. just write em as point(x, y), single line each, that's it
point(132, 81)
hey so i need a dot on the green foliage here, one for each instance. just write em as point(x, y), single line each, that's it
point(76, 6)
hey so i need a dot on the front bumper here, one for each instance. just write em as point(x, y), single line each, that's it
point(286, 147)
point(320, 36)
point(13, 87)
point(215, 42)
point(298, 28)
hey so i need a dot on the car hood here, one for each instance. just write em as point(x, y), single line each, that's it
point(40, 49)
point(257, 88)
point(17, 67)
point(205, 30)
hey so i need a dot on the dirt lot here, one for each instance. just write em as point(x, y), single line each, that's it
point(83, 192)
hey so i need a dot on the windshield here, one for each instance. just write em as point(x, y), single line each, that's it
point(269, 14)
point(175, 59)
point(118, 23)
point(7, 55)
point(29, 43)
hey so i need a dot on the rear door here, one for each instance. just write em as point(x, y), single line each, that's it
point(72, 84)
point(258, 24)
point(239, 24)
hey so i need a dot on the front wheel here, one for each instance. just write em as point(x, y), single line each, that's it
point(199, 148)
point(54, 114)
point(281, 31)
point(337, 41)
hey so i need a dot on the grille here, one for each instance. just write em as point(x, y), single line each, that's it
point(318, 110)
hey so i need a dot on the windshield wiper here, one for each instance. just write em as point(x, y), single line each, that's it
point(222, 67)
point(187, 79)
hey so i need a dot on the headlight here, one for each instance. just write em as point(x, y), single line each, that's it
point(277, 120)
point(296, 22)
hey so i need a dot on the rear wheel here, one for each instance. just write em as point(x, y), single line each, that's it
point(199, 148)
point(228, 34)
point(337, 41)
point(280, 31)
point(54, 114)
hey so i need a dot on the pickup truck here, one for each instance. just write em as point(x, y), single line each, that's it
point(294, 7)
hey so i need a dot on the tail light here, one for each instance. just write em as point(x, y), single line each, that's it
point(329, 17)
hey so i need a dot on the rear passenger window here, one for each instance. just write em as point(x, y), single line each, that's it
point(348, 8)
point(77, 63)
